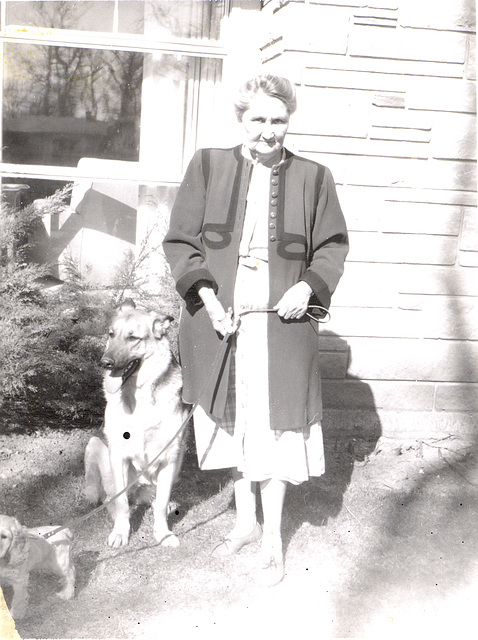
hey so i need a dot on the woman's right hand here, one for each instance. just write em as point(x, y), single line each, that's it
point(221, 321)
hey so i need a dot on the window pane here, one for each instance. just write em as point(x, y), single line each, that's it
point(36, 243)
point(185, 19)
point(19, 192)
point(83, 15)
point(131, 16)
point(175, 18)
point(61, 104)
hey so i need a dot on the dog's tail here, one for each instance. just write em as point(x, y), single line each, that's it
point(98, 480)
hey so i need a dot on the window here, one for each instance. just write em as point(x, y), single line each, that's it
point(114, 97)
point(112, 80)
point(85, 15)
point(178, 18)
point(64, 103)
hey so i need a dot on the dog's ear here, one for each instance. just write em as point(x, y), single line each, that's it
point(161, 324)
point(19, 546)
point(127, 304)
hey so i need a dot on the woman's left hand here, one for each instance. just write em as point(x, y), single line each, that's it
point(294, 302)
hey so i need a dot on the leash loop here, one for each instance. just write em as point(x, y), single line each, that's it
point(319, 314)
point(217, 360)
point(315, 312)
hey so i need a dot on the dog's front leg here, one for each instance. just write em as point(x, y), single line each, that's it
point(119, 508)
point(18, 607)
point(164, 484)
point(67, 572)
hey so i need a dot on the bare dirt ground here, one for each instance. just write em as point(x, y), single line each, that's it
point(383, 546)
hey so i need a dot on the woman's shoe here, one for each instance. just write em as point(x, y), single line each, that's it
point(271, 572)
point(230, 546)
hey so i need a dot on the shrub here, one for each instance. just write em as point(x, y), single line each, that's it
point(51, 340)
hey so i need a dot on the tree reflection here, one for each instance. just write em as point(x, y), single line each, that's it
point(63, 82)
point(56, 82)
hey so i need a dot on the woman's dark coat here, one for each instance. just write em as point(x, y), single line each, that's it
point(307, 241)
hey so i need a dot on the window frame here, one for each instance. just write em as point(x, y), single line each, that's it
point(137, 172)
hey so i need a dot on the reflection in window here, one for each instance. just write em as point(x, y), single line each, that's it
point(186, 19)
point(177, 18)
point(20, 192)
point(61, 104)
point(83, 15)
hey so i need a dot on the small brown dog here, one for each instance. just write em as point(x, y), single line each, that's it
point(23, 550)
point(144, 414)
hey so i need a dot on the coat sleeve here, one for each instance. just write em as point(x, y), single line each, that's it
point(329, 244)
point(183, 245)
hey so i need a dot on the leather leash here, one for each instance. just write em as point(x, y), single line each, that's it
point(315, 312)
point(217, 362)
point(322, 318)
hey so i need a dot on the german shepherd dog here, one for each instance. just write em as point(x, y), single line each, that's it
point(144, 411)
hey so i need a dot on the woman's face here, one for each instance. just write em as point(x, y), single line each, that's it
point(265, 124)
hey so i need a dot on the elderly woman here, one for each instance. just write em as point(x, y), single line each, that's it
point(256, 236)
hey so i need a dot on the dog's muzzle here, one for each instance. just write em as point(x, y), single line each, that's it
point(123, 371)
point(107, 363)
point(118, 376)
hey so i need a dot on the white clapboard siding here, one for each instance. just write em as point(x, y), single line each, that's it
point(387, 100)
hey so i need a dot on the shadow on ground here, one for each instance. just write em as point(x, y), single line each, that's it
point(383, 544)
point(419, 560)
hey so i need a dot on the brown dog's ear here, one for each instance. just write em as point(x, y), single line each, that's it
point(19, 546)
point(127, 304)
point(161, 324)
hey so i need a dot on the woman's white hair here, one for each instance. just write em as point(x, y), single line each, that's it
point(273, 86)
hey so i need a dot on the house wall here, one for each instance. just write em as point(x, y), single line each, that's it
point(387, 100)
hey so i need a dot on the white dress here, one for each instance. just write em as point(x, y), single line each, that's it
point(254, 447)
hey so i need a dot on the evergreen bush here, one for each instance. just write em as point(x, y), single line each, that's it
point(51, 340)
